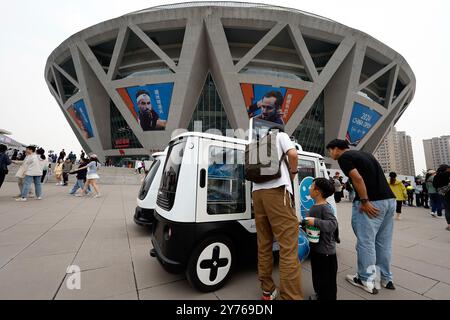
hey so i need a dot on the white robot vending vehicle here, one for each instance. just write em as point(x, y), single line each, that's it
point(203, 218)
point(146, 200)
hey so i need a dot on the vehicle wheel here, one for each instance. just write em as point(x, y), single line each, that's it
point(211, 264)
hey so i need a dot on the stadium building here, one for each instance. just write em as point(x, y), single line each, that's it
point(126, 84)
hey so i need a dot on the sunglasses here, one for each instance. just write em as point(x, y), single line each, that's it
point(145, 103)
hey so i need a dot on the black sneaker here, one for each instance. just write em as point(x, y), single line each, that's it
point(389, 285)
point(366, 286)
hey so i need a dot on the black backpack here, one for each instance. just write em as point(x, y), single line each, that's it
point(262, 161)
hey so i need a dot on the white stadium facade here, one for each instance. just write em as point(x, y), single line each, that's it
point(126, 84)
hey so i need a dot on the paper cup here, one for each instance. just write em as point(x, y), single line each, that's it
point(313, 234)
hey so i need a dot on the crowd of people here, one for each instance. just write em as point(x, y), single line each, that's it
point(431, 193)
point(340, 186)
point(422, 194)
point(35, 168)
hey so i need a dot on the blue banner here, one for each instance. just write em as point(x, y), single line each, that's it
point(149, 104)
point(79, 114)
point(361, 122)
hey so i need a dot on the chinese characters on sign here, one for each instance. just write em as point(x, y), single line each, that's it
point(149, 104)
point(361, 122)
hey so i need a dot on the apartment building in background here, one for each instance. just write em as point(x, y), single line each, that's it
point(437, 151)
point(395, 153)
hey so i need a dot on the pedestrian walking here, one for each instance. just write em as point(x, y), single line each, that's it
point(350, 190)
point(372, 216)
point(20, 175)
point(92, 176)
point(43, 162)
point(425, 195)
point(59, 172)
point(33, 173)
point(70, 156)
point(337, 188)
point(67, 168)
point(435, 199)
point(138, 167)
point(418, 191)
point(81, 178)
point(410, 192)
point(15, 154)
point(399, 191)
point(341, 180)
point(62, 155)
point(5, 161)
point(442, 184)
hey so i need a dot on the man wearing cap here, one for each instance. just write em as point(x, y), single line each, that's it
point(148, 118)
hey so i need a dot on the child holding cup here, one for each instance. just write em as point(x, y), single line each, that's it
point(321, 226)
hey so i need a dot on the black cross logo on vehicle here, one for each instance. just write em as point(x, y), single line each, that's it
point(214, 264)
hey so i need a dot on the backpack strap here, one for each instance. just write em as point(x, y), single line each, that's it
point(286, 161)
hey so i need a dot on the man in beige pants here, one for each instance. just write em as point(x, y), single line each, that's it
point(276, 219)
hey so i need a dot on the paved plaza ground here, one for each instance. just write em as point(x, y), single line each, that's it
point(40, 239)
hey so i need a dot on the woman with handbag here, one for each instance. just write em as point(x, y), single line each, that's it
point(33, 173)
point(5, 161)
point(442, 184)
point(20, 175)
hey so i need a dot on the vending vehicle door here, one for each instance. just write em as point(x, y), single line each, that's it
point(223, 193)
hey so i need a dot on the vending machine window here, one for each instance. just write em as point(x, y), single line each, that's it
point(226, 183)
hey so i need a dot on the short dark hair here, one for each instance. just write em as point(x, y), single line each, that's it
point(442, 168)
point(32, 148)
point(3, 148)
point(338, 143)
point(277, 95)
point(41, 152)
point(325, 187)
point(392, 175)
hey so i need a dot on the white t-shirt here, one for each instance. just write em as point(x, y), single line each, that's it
point(284, 144)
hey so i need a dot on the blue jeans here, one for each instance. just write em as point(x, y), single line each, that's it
point(27, 185)
point(374, 240)
point(436, 203)
point(79, 185)
point(446, 205)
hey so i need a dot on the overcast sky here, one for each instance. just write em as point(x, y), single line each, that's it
point(31, 30)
